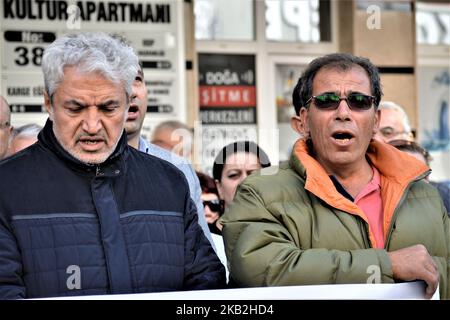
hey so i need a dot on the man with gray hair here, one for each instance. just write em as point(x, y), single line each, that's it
point(5, 127)
point(394, 123)
point(100, 217)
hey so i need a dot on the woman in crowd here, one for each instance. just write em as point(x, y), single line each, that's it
point(233, 164)
point(212, 204)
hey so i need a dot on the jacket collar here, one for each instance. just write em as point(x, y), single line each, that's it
point(397, 170)
point(113, 166)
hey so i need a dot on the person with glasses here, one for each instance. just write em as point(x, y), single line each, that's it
point(213, 206)
point(394, 123)
point(5, 127)
point(345, 208)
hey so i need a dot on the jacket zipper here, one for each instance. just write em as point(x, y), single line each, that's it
point(98, 172)
point(365, 232)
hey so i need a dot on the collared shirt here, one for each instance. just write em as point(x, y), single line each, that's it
point(369, 200)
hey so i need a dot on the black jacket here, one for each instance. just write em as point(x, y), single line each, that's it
point(127, 225)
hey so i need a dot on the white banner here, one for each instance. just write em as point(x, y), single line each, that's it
point(409, 290)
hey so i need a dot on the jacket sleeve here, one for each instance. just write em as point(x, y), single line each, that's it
point(202, 269)
point(441, 240)
point(11, 283)
point(196, 193)
point(444, 282)
point(262, 252)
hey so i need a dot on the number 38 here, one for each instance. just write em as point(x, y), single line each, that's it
point(24, 59)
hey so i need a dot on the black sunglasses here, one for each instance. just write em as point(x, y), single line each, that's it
point(214, 205)
point(331, 101)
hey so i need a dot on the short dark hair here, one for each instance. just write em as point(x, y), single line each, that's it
point(341, 61)
point(235, 147)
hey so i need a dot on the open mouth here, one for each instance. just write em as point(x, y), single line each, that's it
point(91, 144)
point(133, 113)
point(342, 136)
point(133, 109)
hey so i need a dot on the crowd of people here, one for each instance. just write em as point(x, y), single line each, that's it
point(110, 212)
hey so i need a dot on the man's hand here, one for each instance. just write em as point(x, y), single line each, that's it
point(414, 263)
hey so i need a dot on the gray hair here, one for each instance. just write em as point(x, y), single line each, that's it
point(90, 52)
point(389, 105)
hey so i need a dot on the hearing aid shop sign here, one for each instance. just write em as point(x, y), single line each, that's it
point(227, 89)
point(29, 26)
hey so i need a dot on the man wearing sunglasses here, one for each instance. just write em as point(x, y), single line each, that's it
point(345, 208)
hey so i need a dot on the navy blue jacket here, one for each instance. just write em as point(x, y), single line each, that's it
point(127, 225)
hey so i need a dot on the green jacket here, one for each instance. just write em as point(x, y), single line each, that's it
point(292, 227)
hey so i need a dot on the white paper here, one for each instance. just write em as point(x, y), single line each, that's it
point(409, 290)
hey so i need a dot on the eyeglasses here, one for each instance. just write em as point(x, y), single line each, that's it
point(331, 101)
point(214, 205)
point(389, 133)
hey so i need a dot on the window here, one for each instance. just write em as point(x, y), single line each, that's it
point(433, 23)
point(224, 20)
point(298, 21)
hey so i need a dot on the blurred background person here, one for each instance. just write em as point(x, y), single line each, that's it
point(5, 127)
point(23, 137)
point(394, 123)
point(174, 136)
point(235, 162)
point(212, 205)
point(414, 149)
point(395, 129)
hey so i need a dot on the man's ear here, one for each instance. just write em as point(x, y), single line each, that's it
point(296, 124)
point(48, 105)
point(299, 123)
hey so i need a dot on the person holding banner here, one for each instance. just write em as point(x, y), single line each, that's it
point(82, 212)
point(345, 208)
